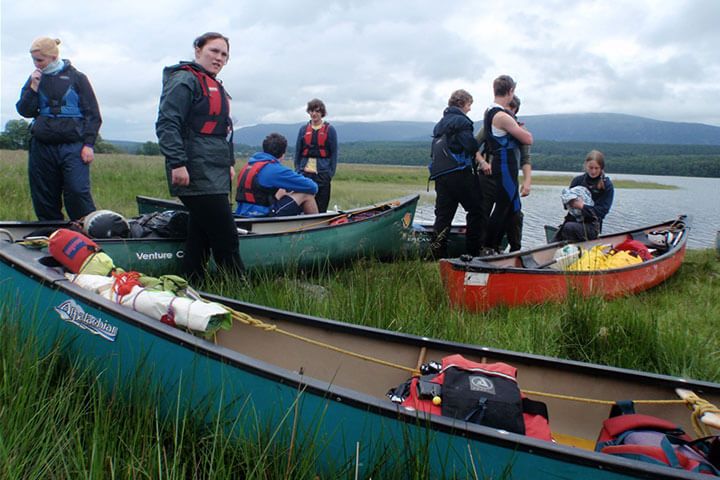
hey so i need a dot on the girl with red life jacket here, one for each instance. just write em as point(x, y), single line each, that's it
point(195, 135)
point(316, 152)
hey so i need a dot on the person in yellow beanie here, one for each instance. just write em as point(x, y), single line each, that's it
point(66, 121)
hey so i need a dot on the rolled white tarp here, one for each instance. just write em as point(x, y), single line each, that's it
point(197, 315)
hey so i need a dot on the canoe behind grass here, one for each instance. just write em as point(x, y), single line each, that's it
point(323, 382)
point(417, 241)
point(379, 231)
point(533, 277)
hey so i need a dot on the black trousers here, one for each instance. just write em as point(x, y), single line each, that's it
point(457, 188)
point(322, 197)
point(211, 228)
point(506, 218)
point(573, 231)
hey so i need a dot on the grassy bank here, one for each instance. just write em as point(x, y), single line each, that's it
point(58, 421)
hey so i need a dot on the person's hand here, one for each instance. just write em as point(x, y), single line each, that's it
point(180, 176)
point(483, 165)
point(87, 154)
point(525, 189)
point(35, 77)
point(232, 173)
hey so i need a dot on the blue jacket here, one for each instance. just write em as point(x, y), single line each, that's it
point(461, 142)
point(79, 118)
point(273, 176)
point(603, 198)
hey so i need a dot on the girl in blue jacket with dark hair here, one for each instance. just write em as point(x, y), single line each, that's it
point(602, 192)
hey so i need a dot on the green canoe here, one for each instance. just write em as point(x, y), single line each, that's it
point(324, 383)
point(378, 231)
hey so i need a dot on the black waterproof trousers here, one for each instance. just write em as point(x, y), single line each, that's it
point(211, 228)
point(457, 188)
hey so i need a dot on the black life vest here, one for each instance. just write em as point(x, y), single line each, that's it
point(315, 141)
point(57, 96)
point(482, 393)
point(502, 148)
point(249, 189)
point(442, 160)
point(210, 115)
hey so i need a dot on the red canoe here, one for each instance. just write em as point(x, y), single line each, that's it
point(531, 277)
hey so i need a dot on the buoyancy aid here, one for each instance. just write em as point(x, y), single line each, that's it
point(315, 141)
point(482, 393)
point(210, 115)
point(249, 189)
point(505, 162)
point(57, 96)
point(443, 160)
point(656, 440)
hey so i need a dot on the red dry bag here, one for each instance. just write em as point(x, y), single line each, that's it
point(71, 248)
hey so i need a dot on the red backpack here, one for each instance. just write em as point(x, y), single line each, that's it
point(655, 440)
point(482, 393)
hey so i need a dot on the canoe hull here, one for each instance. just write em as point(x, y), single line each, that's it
point(195, 371)
point(478, 286)
point(384, 235)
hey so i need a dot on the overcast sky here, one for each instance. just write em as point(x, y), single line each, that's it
point(383, 60)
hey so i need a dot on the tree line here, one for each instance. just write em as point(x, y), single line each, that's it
point(16, 136)
point(678, 160)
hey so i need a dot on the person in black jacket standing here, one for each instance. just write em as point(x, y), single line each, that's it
point(195, 135)
point(66, 123)
point(454, 151)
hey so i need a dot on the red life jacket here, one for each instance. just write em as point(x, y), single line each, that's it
point(211, 114)
point(249, 189)
point(508, 408)
point(71, 248)
point(654, 440)
point(315, 141)
point(635, 247)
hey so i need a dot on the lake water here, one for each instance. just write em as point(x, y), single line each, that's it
point(697, 197)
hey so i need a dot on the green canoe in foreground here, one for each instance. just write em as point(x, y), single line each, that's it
point(383, 231)
point(280, 374)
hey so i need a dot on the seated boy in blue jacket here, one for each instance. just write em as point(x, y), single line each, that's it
point(267, 188)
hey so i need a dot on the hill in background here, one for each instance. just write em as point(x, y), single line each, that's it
point(578, 127)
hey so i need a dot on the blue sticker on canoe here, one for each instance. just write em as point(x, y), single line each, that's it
point(74, 313)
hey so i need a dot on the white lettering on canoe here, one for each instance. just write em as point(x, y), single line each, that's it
point(476, 279)
point(72, 312)
point(154, 256)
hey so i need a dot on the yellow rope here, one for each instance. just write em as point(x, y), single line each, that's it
point(602, 402)
point(268, 327)
point(700, 407)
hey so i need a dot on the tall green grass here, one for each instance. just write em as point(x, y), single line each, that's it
point(57, 420)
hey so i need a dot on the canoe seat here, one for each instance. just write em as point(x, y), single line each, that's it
point(528, 261)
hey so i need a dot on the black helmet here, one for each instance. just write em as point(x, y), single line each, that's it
point(105, 224)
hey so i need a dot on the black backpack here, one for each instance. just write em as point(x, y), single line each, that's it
point(442, 160)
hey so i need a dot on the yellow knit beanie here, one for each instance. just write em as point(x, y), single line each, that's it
point(46, 46)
